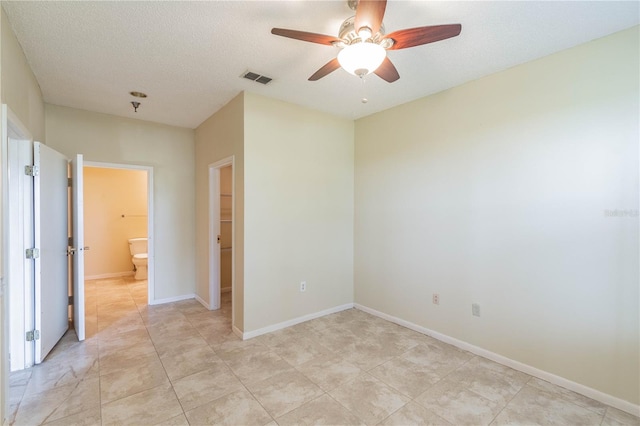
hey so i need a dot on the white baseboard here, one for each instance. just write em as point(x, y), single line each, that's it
point(225, 289)
point(613, 401)
point(279, 326)
point(109, 275)
point(202, 302)
point(172, 299)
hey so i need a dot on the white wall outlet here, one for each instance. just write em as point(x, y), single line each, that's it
point(475, 310)
point(436, 299)
point(303, 286)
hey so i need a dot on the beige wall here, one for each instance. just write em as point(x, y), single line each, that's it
point(496, 193)
point(108, 195)
point(170, 151)
point(21, 92)
point(219, 137)
point(298, 198)
point(300, 208)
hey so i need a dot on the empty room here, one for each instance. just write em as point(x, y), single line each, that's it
point(352, 212)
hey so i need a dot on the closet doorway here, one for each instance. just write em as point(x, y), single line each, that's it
point(117, 208)
point(221, 235)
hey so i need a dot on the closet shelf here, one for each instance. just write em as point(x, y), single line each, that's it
point(226, 220)
point(225, 195)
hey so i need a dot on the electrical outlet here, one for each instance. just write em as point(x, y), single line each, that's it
point(475, 310)
point(436, 299)
point(303, 286)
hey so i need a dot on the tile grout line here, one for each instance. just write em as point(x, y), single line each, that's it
point(341, 404)
point(98, 344)
point(245, 386)
point(411, 399)
point(223, 361)
point(510, 399)
point(100, 376)
point(155, 348)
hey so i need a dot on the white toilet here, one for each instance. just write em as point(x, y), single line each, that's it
point(138, 249)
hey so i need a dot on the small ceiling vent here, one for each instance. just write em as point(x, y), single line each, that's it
point(256, 77)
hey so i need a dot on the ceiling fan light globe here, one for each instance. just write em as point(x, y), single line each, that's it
point(365, 33)
point(361, 58)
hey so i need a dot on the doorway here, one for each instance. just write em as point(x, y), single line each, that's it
point(46, 250)
point(38, 243)
point(18, 311)
point(221, 235)
point(118, 208)
point(17, 135)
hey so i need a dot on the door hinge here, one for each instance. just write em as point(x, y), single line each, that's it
point(70, 300)
point(31, 170)
point(33, 335)
point(32, 253)
point(70, 241)
point(69, 181)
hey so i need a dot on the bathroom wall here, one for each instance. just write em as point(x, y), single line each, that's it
point(108, 195)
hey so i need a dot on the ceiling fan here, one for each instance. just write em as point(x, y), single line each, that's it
point(364, 44)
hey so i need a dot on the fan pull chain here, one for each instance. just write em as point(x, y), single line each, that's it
point(364, 90)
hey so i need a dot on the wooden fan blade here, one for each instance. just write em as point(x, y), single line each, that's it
point(369, 13)
point(387, 71)
point(422, 35)
point(305, 36)
point(328, 68)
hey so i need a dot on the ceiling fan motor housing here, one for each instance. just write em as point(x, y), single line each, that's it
point(348, 34)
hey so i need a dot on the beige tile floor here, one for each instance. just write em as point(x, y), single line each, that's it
point(179, 364)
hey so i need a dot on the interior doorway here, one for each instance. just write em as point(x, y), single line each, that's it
point(17, 230)
point(38, 246)
point(41, 261)
point(118, 215)
point(221, 235)
point(16, 134)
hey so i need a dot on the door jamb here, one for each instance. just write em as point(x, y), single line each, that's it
point(16, 129)
point(214, 231)
point(151, 285)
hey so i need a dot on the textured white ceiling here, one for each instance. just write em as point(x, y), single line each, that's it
point(188, 56)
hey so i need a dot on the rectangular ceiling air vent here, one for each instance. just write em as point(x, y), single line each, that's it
point(256, 77)
point(264, 80)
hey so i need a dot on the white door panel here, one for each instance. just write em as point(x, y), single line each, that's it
point(77, 186)
point(51, 237)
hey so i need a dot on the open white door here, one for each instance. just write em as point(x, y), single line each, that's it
point(78, 243)
point(51, 238)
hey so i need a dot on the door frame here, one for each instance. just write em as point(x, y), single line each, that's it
point(150, 209)
point(11, 126)
point(214, 231)
point(19, 272)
